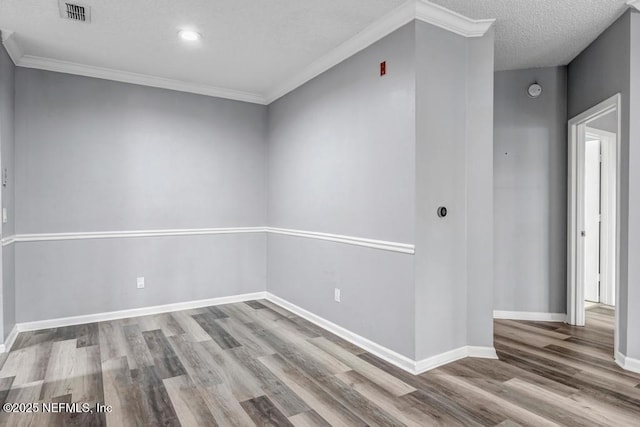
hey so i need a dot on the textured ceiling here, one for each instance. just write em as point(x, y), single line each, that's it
point(248, 45)
point(255, 45)
point(540, 33)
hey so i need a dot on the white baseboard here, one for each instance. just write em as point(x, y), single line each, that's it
point(401, 361)
point(628, 363)
point(8, 343)
point(529, 315)
point(135, 312)
point(397, 359)
point(482, 352)
point(441, 359)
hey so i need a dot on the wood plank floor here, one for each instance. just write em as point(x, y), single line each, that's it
point(254, 363)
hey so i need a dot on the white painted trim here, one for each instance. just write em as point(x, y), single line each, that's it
point(134, 233)
point(350, 240)
point(529, 315)
point(628, 363)
point(390, 356)
point(8, 240)
point(451, 21)
point(135, 312)
point(575, 300)
point(9, 42)
point(438, 360)
point(49, 64)
point(337, 238)
point(6, 346)
point(634, 3)
point(403, 362)
point(396, 359)
point(365, 38)
point(482, 352)
point(421, 10)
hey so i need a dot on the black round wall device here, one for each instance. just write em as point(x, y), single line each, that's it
point(442, 211)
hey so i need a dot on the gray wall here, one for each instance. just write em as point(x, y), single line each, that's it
point(599, 72)
point(7, 92)
point(530, 164)
point(480, 178)
point(341, 160)
point(454, 143)
point(96, 155)
point(71, 278)
point(633, 279)
point(441, 282)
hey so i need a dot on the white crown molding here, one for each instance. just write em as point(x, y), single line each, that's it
point(451, 21)
point(628, 363)
point(421, 10)
point(634, 3)
point(529, 315)
point(404, 248)
point(40, 63)
point(9, 42)
point(371, 34)
point(8, 343)
point(135, 312)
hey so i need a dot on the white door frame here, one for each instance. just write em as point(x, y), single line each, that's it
point(575, 243)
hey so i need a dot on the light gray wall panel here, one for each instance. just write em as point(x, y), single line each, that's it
point(76, 277)
point(96, 155)
point(341, 147)
point(454, 145)
point(7, 144)
point(633, 309)
point(341, 160)
point(441, 251)
point(376, 286)
point(599, 72)
point(8, 289)
point(100, 155)
point(480, 212)
point(530, 164)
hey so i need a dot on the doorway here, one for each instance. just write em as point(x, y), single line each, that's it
point(593, 211)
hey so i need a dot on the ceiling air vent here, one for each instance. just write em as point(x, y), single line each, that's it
point(74, 11)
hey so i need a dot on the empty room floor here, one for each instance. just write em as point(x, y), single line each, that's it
point(256, 363)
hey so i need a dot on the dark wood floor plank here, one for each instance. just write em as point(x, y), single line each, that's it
point(256, 305)
point(155, 401)
point(264, 413)
point(196, 361)
point(208, 322)
point(165, 359)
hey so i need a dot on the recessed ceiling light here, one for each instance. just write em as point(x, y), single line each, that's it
point(189, 35)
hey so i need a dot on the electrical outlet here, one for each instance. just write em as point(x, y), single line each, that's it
point(4, 216)
point(140, 282)
point(336, 294)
